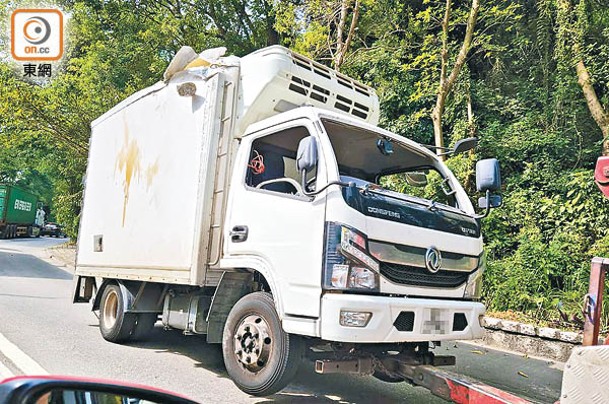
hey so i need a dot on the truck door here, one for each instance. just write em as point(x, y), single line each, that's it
point(271, 220)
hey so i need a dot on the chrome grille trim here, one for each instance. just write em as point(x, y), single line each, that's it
point(415, 257)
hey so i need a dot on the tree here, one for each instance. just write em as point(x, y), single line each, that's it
point(322, 29)
point(447, 80)
point(598, 112)
point(573, 25)
point(344, 41)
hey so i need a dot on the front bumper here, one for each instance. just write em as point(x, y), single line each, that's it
point(419, 319)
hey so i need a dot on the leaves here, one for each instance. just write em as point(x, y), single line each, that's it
point(518, 79)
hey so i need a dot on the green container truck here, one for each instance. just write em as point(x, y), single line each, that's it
point(17, 213)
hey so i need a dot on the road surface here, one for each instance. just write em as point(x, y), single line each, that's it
point(42, 331)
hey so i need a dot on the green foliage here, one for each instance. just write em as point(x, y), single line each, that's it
point(426, 184)
point(541, 241)
point(114, 49)
point(525, 107)
point(533, 279)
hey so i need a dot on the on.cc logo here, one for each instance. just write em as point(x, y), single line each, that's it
point(36, 30)
point(37, 34)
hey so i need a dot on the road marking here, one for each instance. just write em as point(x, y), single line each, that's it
point(19, 358)
point(5, 372)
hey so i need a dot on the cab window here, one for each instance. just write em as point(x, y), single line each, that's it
point(272, 163)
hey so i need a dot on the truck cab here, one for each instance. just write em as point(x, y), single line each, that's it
point(362, 245)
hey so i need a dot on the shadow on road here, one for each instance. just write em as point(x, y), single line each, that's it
point(541, 384)
point(27, 266)
point(307, 386)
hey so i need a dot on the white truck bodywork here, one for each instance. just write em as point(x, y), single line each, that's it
point(172, 200)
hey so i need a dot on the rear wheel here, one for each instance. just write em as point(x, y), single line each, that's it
point(114, 323)
point(259, 356)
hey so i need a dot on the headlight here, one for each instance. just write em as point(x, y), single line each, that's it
point(347, 263)
point(474, 282)
point(352, 244)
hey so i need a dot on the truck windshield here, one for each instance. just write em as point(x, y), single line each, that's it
point(405, 172)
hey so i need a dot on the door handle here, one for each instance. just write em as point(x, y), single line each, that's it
point(238, 234)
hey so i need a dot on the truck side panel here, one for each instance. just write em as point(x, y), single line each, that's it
point(145, 197)
point(3, 195)
point(17, 206)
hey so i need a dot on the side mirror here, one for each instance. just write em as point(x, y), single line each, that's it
point(601, 175)
point(488, 179)
point(464, 145)
point(493, 201)
point(51, 390)
point(488, 176)
point(306, 157)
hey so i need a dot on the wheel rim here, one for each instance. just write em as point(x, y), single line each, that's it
point(110, 309)
point(253, 343)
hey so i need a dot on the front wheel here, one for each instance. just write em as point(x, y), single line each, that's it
point(259, 356)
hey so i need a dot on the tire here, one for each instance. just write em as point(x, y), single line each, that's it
point(273, 360)
point(144, 323)
point(115, 325)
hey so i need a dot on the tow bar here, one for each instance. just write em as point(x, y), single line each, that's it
point(422, 371)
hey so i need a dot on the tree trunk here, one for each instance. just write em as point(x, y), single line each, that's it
point(342, 42)
point(471, 127)
point(447, 83)
point(436, 117)
point(594, 105)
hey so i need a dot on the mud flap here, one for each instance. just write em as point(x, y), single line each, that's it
point(84, 288)
point(233, 286)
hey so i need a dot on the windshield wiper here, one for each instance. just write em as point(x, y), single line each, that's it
point(433, 206)
point(373, 188)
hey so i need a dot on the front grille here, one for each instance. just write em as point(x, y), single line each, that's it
point(405, 321)
point(415, 276)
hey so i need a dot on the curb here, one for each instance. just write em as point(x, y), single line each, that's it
point(528, 339)
point(62, 256)
point(533, 331)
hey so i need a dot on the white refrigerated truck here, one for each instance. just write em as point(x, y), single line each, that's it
point(254, 200)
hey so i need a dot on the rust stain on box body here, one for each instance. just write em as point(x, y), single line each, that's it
point(128, 162)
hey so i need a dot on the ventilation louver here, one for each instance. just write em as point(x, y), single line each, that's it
point(322, 94)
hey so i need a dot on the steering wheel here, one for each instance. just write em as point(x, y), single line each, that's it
point(290, 181)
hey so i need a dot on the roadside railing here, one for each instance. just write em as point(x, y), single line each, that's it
point(593, 301)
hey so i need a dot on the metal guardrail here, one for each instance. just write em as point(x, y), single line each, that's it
point(593, 301)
